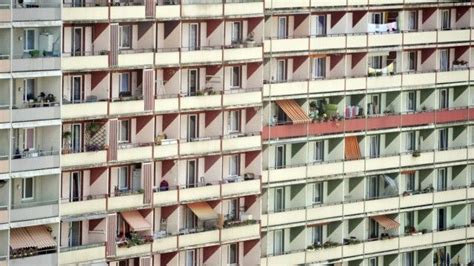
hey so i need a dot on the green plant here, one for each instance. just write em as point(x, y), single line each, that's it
point(67, 135)
point(35, 53)
point(93, 128)
point(135, 240)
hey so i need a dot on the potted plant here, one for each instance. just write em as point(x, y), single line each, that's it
point(416, 153)
point(92, 128)
point(35, 53)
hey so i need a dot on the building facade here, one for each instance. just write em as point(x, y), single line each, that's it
point(234, 132)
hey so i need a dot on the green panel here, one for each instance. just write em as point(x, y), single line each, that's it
point(422, 254)
point(455, 210)
point(457, 131)
point(389, 138)
point(354, 182)
point(424, 94)
point(295, 231)
point(423, 214)
point(295, 189)
point(333, 143)
point(353, 223)
point(295, 148)
point(389, 259)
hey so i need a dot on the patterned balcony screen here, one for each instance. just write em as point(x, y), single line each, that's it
point(114, 44)
point(147, 172)
point(112, 152)
point(110, 248)
point(149, 89)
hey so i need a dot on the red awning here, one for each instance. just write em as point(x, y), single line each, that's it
point(31, 237)
point(386, 222)
point(293, 111)
point(136, 221)
point(203, 211)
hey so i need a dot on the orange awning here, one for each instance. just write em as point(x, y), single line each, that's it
point(293, 111)
point(352, 151)
point(386, 222)
point(19, 238)
point(29, 237)
point(203, 211)
point(136, 221)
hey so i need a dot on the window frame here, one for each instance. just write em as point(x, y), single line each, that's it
point(23, 189)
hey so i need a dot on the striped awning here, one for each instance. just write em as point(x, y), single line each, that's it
point(203, 211)
point(136, 221)
point(293, 111)
point(386, 222)
point(31, 237)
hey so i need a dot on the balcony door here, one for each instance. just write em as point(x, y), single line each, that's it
point(77, 41)
point(281, 70)
point(76, 89)
point(75, 186)
point(319, 27)
point(190, 219)
point(278, 242)
point(192, 128)
point(193, 82)
point(190, 258)
point(443, 99)
point(374, 146)
point(191, 174)
point(445, 19)
point(442, 179)
point(442, 219)
point(282, 28)
point(444, 60)
point(319, 68)
point(443, 138)
point(75, 233)
point(76, 135)
point(236, 32)
point(279, 199)
point(193, 36)
point(373, 187)
point(29, 89)
point(77, 3)
point(234, 165)
point(280, 158)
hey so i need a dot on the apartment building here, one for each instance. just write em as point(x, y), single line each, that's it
point(236, 132)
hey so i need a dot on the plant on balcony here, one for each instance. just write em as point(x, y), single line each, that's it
point(66, 141)
point(159, 138)
point(93, 147)
point(103, 52)
point(250, 37)
point(92, 128)
point(330, 244)
point(410, 229)
point(459, 62)
point(416, 153)
point(249, 176)
point(35, 53)
point(428, 189)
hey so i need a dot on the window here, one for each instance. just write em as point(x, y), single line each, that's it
point(412, 20)
point(442, 219)
point(318, 193)
point(191, 173)
point(444, 60)
point(125, 36)
point(234, 121)
point(76, 89)
point(29, 40)
point(190, 258)
point(317, 235)
point(375, 62)
point(236, 34)
point(123, 183)
point(29, 90)
point(411, 101)
point(373, 187)
point(442, 179)
point(232, 254)
point(190, 219)
point(443, 138)
point(193, 82)
point(124, 131)
point(373, 107)
point(409, 258)
point(77, 42)
point(443, 99)
point(377, 18)
point(410, 219)
point(472, 213)
point(76, 134)
point(233, 210)
point(193, 36)
point(319, 25)
point(411, 141)
point(28, 138)
point(236, 77)
point(124, 84)
point(374, 146)
point(410, 180)
point(281, 70)
point(412, 61)
point(279, 199)
point(28, 188)
point(373, 261)
point(75, 186)
point(75, 234)
point(282, 28)
point(278, 242)
point(319, 68)
point(373, 229)
point(445, 19)
point(192, 127)
point(319, 151)
point(234, 165)
point(280, 157)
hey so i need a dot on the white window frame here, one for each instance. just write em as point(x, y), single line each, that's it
point(236, 83)
point(319, 68)
point(318, 188)
point(25, 42)
point(282, 32)
point(233, 33)
point(319, 151)
point(121, 40)
point(282, 70)
point(120, 171)
point(120, 139)
point(23, 189)
point(234, 121)
point(121, 83)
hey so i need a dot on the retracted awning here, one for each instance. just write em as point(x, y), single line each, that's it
point(32, 237)
point(203, 211)
point(352, 150)
point(136, 221)
point(293, 111)
point(386, 222)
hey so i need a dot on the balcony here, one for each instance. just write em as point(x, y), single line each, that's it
point(36, 64)
point(167, 57)
point(91, 204)
point(5, 14)
point(37, 12)
point(201, 146)
point(238, 143)
point(282, 45)
point(88, 61)
point(207, 9)
point(4, 216)
point(134, 152)
point(241, 188)
point(165, 244)
point(84, 110)
point(274, 4)
point(205, 192)
point(201, 102)
point(243, 8)
point(242, 97)
point(203, 55)
point(86, 158)
point(168, 12)
point(4, 60)
point(34, 210)
point(134, 58)
point(194, 240)
point(84, 253)
point(85, 13)
point(127, 106)
point(125, 201)
point(166, 104)
point(35, 160)
point(134, 251)
point(127, 12)
point(4, 164)
point(166, 150)
point(165, 197)
point(36, 111)
point(383, 40)
point(454, 36)
point(240, 53)
point(240, 232)
point(46, 259)
point(366, 124)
